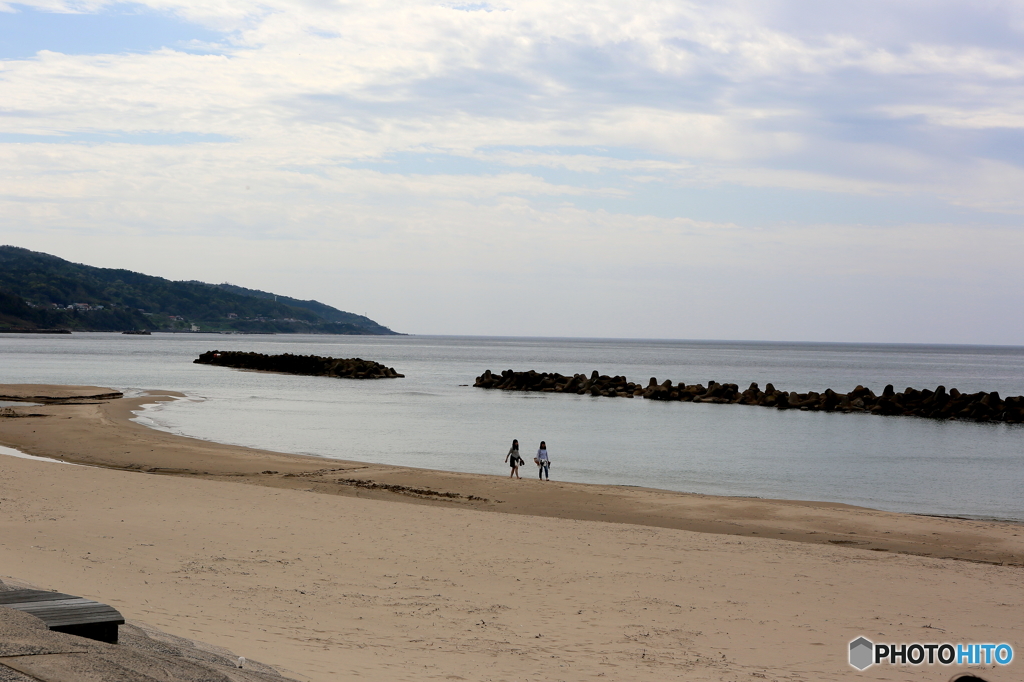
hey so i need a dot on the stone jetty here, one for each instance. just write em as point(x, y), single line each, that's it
point(937, 404)
point(308, 365)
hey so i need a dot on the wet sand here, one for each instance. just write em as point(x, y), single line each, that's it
point(330, 568)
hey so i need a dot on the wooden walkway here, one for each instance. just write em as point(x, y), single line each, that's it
point(67, 613)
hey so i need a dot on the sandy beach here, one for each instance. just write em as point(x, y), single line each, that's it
point(330, 569)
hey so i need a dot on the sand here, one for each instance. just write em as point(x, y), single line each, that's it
point(327, 579)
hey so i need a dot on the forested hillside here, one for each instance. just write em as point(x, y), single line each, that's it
point(38, 290)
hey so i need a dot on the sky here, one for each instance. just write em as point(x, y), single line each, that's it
point(797, 170)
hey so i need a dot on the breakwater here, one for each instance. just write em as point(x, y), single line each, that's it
point(937, 404)
point(308, 365)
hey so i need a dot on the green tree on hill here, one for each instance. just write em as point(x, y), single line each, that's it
point(37, 289)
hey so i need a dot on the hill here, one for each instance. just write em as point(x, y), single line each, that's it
point(322, 309)
point(38, 290)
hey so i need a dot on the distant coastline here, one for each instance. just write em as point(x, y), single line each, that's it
point(43, 292)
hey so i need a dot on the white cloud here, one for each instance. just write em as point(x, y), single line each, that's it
point(1011, 116)
point(332, 114)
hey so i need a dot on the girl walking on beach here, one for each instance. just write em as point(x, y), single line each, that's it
point(513, 459)
point(543, 463)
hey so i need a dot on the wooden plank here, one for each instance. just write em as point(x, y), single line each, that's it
point(63, 603)
point(51, 603)
point(66, 613)
point(85, 611)
point(67, 604)
point(64, 608)
point(78, 620)
point(15, 596)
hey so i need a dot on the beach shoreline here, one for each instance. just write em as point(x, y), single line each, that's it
point(101, 432)
point(330, 568)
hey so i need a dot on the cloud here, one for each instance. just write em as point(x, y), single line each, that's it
point(599, 132)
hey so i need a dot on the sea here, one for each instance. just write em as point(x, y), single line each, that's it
point(435, 419)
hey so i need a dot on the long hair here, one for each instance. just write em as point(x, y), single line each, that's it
point(543, 445)
point(515, 444)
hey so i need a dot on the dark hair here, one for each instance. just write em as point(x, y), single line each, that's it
point(515, 443)
point(543, 445)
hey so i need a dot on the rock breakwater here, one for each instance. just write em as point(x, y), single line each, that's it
point(937, 404)
point(308, 365)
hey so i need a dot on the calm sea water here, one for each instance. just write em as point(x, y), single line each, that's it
point(432, 419)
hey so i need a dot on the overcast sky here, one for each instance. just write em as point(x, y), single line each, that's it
point(789, 170)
